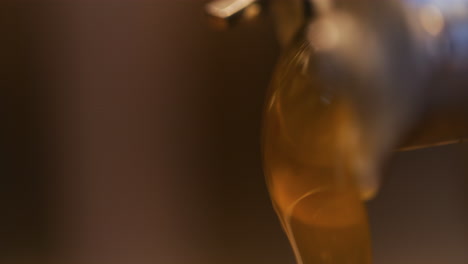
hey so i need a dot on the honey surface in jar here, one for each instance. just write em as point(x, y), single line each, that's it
point(311, 154)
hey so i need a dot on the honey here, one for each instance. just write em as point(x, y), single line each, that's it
point(311, 158)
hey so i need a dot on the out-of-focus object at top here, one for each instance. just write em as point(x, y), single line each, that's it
point(289, 15)
point(225, 13)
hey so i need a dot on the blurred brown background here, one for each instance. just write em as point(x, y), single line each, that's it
point(130, 134)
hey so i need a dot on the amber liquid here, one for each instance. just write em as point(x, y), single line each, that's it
point(310, 155)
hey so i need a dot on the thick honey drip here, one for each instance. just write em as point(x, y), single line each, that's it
point(311, 156)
